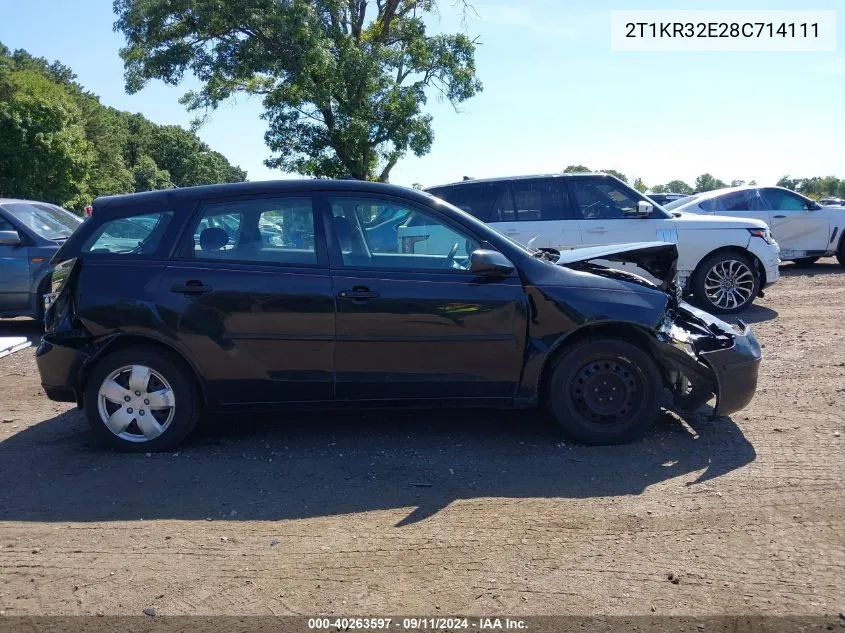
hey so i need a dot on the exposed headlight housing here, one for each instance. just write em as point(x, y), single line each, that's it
point(763, 234)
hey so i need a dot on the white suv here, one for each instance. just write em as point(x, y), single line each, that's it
point(724, 262)
point(804, 229)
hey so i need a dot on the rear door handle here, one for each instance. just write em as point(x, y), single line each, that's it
point(779, 217)
point(357, 294)
point(192, 287)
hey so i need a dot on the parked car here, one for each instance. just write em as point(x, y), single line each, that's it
point(30, 234)
point(666, 198)
point(805, 229)
point(144, 340)
point(832, 202)
point(723, 262)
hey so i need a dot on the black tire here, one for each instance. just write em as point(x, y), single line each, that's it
point(805, 261)
point(615, 367)
point(840, 252)
point(718, 263)
point(185, 399)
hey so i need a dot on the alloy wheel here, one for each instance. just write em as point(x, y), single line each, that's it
point(136, 403)
point(729, 284)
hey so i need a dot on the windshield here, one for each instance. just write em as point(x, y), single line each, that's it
point(676, 203)
point(51, 223)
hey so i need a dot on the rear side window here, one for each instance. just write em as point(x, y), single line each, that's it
point(745, 200)
point(509, 201)
point(264, 230)
point(135, 235)
point(485, 201)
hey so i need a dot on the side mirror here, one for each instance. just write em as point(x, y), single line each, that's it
point(644, 209)
point(489, 263)
point(813, 206)
point(10, 238)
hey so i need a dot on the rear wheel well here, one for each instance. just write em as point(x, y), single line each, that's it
point(761, 270)
point(128, 340)
point(629, 332)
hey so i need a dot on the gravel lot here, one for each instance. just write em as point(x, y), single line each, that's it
point(446, 512)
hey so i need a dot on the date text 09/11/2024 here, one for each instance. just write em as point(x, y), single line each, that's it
point(417, 624)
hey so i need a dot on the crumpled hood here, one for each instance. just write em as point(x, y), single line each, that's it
point(659, 259)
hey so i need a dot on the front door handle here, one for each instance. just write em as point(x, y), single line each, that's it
point(779, 217)
point(598, 229)
point(192, 287)
point(358, 293)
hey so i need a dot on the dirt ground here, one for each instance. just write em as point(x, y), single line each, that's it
point(445, 512)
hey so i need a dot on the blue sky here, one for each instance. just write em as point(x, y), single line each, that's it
point(554, 95)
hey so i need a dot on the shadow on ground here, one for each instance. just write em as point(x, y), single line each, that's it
point(828, 266)
point(318, 464)
point(754, 314)
point(29, 328)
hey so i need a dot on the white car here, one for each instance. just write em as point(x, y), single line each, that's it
point(804, 229)
point(724, 262)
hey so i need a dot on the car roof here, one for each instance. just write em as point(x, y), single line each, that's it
point(473, 181)
point(11, 200)
point(261, 187)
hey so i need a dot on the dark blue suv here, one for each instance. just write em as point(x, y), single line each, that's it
point(30, 234)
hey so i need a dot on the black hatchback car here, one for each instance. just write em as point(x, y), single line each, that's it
point(283, 294)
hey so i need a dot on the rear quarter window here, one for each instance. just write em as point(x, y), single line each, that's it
point(134, 235)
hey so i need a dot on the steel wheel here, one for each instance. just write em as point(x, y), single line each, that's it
point(136, 403)
point(607, 390)
point(729, 284)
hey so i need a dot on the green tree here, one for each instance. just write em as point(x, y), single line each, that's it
point(148, 177)
point(343, 87)
point(615, 173)
point(417, 185)
point(576, 169)
point(43, 150)
point(639, 185)
point(753, 183)
point(188, 160)
point(788, 183)
point(737, 183)
point(706, 182)
point(660, 189)
point(678, 186)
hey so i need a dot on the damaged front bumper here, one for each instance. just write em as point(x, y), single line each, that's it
point(702, 356)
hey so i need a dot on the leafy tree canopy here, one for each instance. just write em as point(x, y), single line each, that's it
point(59, 144)
point(707, 182)
point(576, 169)
point(613, 172)
point(344, 82)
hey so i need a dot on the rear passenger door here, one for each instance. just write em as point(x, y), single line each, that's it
point(249, 296)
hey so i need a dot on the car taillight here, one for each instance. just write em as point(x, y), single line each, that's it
point(89, 209)
point(408, 243)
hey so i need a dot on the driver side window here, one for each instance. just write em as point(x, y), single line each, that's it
point(602, 200)
point(784, 200)
point(375, 233)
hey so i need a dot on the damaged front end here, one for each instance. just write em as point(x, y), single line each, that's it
point(703, 356)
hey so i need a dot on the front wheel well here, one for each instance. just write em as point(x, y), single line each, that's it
point(126, 341)
point(629, 332)
point(761, 270)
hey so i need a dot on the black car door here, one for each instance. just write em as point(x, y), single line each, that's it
point(249, 295)
point(412, 322)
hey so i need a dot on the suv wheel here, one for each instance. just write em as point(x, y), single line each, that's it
point(726, 283)
point(840, 253)
point(805, 261)
point(605, 391)
point(141, 400)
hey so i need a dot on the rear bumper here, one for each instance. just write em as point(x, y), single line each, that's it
point(736, 370)
point(60, 368)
